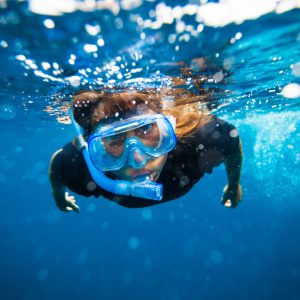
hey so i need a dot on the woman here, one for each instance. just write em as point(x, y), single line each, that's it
point(133, 142)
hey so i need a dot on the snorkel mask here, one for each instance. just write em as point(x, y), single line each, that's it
point(113, 146)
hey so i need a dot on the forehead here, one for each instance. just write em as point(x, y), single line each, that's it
point(113, 112)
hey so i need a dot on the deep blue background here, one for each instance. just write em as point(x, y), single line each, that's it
point(191, 248)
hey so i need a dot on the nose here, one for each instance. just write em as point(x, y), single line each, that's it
point(138, 158)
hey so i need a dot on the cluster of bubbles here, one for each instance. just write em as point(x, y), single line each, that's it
point(133, 67)
point(118, 68)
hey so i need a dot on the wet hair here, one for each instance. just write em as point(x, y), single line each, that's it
point(93, 107)
point(187, 108)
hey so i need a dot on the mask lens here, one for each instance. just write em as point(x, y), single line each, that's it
point(111, 147)
point(149, 134)
point(114, 145)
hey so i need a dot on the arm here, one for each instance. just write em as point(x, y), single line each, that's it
point(63, 200)
point(232, 193)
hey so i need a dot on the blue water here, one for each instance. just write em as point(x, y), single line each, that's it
point(191, 248)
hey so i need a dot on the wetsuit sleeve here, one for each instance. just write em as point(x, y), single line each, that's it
point(214, 143)
point(229, 137)
point(218, 135)
point(70, 168)
point(56, 168)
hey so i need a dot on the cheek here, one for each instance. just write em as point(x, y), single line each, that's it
point(158, 163)
point(153, 165)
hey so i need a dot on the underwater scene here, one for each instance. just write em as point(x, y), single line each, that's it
point(241, 59)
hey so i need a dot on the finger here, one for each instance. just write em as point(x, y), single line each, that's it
point(73, 206)
point(227, 203)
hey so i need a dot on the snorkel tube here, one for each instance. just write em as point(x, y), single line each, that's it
point(144, 189)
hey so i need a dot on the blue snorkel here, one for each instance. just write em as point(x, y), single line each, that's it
point(144, 189)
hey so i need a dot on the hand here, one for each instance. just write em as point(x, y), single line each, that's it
point(232, 195)
point(67, 203)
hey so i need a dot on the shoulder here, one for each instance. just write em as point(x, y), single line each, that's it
point(68, 154)
point(70, 149)
point(68, 165)
point(215, 135)
point(213, 126)
point(65, 157)
point(218, 134)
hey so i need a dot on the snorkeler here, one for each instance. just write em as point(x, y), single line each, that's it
point(139, 149)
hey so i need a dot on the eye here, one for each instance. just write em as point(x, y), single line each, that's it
point(114, 140)
point(144, 130)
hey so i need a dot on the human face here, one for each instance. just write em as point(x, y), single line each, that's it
point(153, 166)
point(135, 143)
point(152, 169)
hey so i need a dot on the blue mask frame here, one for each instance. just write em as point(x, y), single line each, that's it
point(103, 161)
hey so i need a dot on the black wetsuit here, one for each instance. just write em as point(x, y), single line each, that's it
point(206, 148)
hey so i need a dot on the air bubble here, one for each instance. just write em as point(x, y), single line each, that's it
point(7, 111)
point(42, 179)
point(89, 48)
point(296, 69)
point(238, 36)
point(127, 277)
point(46, 66)
point(42, 275)
point(216, 135)
point(21, 57)
point(18, 149)
point(91, 186)
point(92, 30)
point(233, 133)
point(74, 80)
point(91, 207)
point(3, 44)
point(218, 76)
point(100, 42)
point(184, 180)
point(216, 257)
point(48, 23)
point(133, 242)
point(82, 258)
point(291, 91)
point(147, 214)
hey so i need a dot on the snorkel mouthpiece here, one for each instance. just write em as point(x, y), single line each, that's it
point(143, 189)
point(147, 189)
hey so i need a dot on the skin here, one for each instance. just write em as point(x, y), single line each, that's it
point(152, 168)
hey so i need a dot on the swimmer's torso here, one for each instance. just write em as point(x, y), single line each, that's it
point(206, 148)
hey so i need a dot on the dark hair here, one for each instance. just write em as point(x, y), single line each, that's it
point(93, 107)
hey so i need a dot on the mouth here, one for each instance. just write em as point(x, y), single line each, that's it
point(140, 175)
